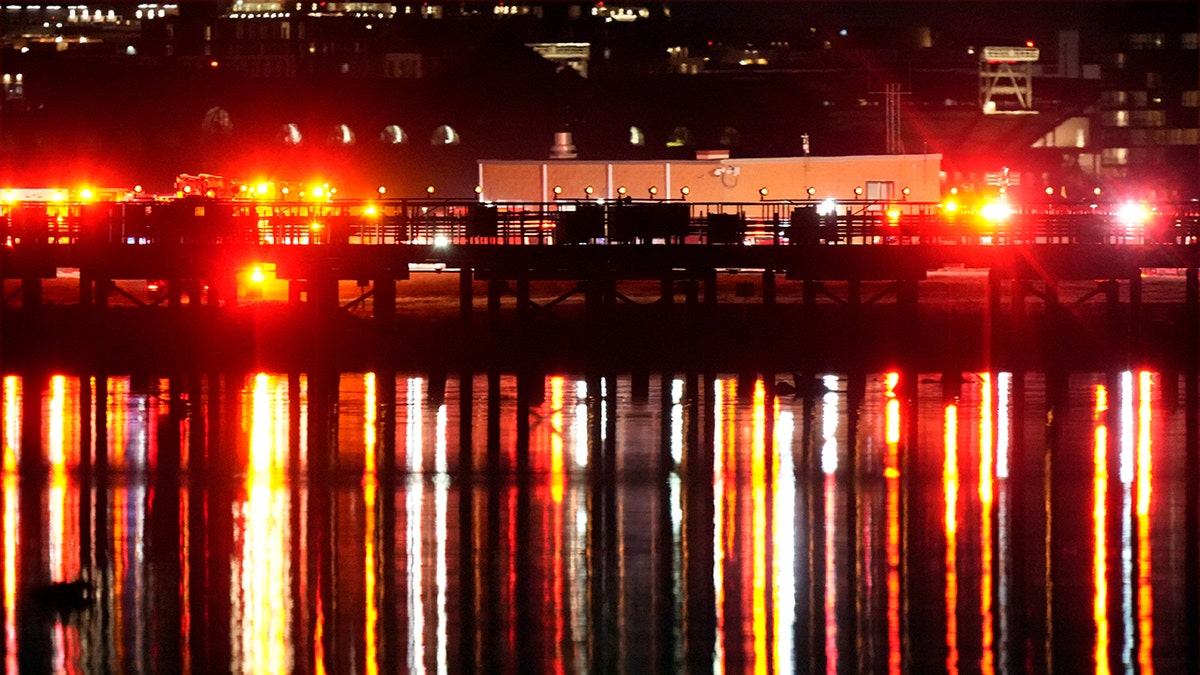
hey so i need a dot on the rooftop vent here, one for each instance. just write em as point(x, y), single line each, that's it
point(564, 146)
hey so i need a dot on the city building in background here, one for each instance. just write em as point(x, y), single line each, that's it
point(1055, 100)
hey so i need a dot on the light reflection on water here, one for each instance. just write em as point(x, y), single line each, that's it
point(377, 522)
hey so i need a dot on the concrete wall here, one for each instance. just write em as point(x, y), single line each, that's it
point(727, 180)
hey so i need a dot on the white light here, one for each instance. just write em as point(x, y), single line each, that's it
point(996, 211)
point(1130, 213)
point(826, 208)
point(441, 241)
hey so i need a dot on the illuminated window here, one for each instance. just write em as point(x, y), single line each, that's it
point(444, 135)
point(1116, 118)
point(1146, 41)
point(392, 134)
point(729, 136)
point(636, 137)
point(681, 137)
point(1115, 156)
point(1114, 98)
point(881, 190)
point(1189, 41)
point(1149, 118)
point(1190, 99)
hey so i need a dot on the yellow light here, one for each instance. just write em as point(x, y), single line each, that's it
point(262, 188)
point(858, 191)
point(9, 196)
point(86, 194)
point(653, 190)
point(256, 275)
point(478, 189)
point(893, 215)
point(1049, 190)
point(685, 190)
point(58, 196)
point(811, 190)
point(315, 227)
point(589, 190)
point(621, 190)
point(370, 211)
point(318, 192)
point(950, 206)
point(762, 192)
point(429, 190)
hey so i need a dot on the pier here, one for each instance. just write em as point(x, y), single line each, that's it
point(671, 264)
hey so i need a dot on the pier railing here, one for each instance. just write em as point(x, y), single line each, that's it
point(579, 222)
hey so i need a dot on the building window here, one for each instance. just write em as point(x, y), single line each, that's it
point(1147, 41)
point(1191, 99)
point(1114, 98)
point(285, 30)
point(1114, 156)
point(1148, 118)
point(1189, 41)
point(1153, 80)
point(880, 190)
point(636, 137)
point(1115, 118)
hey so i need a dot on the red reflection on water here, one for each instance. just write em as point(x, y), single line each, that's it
point(1145, 588)
point(758, 528)
point(369, 486)
point(831, 575)
point(1099, 531)
point(557, 483)
point(12, 422)
point(986, 497)
point(950, 480)
point(260, 592)
point(12, 541)
point(891, 472)
point(722, 505)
